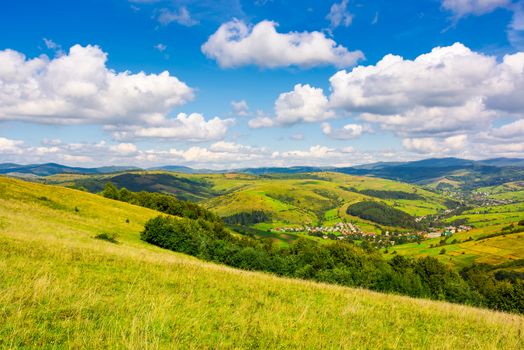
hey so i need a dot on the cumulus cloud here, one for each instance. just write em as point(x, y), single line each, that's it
point(347, 132)
point(449, 90)
point(261, 121)
point(182, 17)
point(79, 88)
point(124, 148)
point(240, 108)
point(339, 15)
point(8, 146)
point(447, 76)
point(428, 145)
point(221, 152)
point(304, 104)
point(461, 8)
point(192, 127)
point(236, 44)
point(446, 100)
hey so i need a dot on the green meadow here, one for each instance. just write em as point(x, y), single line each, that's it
point(60, 287)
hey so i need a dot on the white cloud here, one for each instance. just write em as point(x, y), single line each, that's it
point(182, 17)
point(235, 44)
point(305, 103)
point(447, 91)
point(8, 146)
point(40, 151)
point(461, 8)
point(319, 155)
point(160, 47)
point(51, 142)
point(240, 108)
point(192, 127)
point(510, 131)
point(348, 131)
point(447, 76)
point(428, 145)
point(339, 15)
point(261, 122)
point(221, 153)
point(77, 159)
point(50, 44)
point(79, 88)
point(124, 148)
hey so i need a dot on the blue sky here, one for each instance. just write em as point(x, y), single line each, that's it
point(231, 83)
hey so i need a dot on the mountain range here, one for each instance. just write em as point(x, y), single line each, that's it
point(399, 170)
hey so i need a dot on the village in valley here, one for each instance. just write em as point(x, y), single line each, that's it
point(351, 231)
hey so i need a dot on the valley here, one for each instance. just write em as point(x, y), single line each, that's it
point(298, 205)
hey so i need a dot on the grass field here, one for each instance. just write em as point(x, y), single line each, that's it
point(61, 288)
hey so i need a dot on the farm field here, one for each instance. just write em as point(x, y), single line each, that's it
point(62, 288)
point(494, 250)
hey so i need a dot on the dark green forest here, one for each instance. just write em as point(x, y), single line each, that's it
point(382, 214)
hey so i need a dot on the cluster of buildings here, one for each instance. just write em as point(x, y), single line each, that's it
point(350, 231)
point(447, 231)
point(342, 228)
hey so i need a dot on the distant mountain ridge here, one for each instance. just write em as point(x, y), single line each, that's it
point(47, 169)
point(387, 169)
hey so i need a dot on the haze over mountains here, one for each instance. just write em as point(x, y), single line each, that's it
point(380, 168)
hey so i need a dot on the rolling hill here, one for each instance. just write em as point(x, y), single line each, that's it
point(62, 288)
point(295, 199)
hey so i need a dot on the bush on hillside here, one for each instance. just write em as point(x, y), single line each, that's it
point(109, 237)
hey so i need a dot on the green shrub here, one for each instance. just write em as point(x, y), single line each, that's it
point(109, 237)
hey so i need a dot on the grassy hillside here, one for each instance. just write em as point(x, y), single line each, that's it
point(310, 198)
point(182, 187)
point(289, 200)
point(60, 287)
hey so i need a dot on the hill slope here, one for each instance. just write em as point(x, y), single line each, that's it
point(60, 287)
